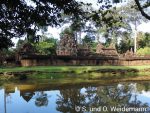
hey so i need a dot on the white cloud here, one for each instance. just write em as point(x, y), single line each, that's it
point(54, 31)
point(145, 27)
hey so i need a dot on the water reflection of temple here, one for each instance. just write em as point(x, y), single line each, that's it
point(27, 96)
point(121, 94)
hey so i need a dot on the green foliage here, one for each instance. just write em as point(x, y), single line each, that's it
point(67, 31)
point(108, 42)
point(23, 77)
point(5, 42)
point(144, 51)
point(143, 40)
point(8, 52)
point(94, 45)
point(87, 39)
point(147, 39)
point(46, 47)
point(19, 17)
point(110, 23)
point(125, 44)
point(20, 43)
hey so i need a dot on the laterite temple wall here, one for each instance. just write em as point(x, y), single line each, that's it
point(68, 60)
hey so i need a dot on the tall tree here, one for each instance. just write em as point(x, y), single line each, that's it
point(142, 8)
point(110, 24)
point(125, 44)
point(47, 46)
point(78, 22)
point(132, 15)
point(18, 17)
point(143, 40)
point(141, 4)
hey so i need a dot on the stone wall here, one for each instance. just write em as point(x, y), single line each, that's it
point(68, 60)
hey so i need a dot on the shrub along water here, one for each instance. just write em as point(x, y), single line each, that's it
point(75, 72)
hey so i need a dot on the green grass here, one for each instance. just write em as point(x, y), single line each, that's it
point(77, 72)
point(77, 69)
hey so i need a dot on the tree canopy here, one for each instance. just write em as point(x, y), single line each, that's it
point(141, 4)
point(26, 17)
point(19, 17)
point(141, 8)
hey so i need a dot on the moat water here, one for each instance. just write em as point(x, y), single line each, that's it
point(131, 97)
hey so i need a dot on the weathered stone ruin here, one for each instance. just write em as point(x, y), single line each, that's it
point(110, 51)
point(67, 46)
point(27, 48)
point(99, 49)
point(129, 53)
point(84, 50)
point(68, 53)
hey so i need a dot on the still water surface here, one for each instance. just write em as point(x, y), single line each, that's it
point(30, 98)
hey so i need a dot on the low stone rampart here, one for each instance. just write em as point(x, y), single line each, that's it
point(92, 61)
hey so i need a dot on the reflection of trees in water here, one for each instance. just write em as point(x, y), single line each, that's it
point(41, 99)
point(137, 104)
point(134, 102)
point(68, 99)
point(108, 96)
point(8, 98)
point(118, 95)
point(144, 86)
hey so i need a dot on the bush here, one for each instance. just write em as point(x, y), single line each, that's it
point(144, 51)
point(23, 77)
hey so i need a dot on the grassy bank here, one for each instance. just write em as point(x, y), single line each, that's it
point(77, 69)
point(81, 72)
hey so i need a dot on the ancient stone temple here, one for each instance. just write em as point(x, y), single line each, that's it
point(84, 49)
point(27, 48)
point(99, 48)
point(67, 46)
point(109, 51)
point(129, 53)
